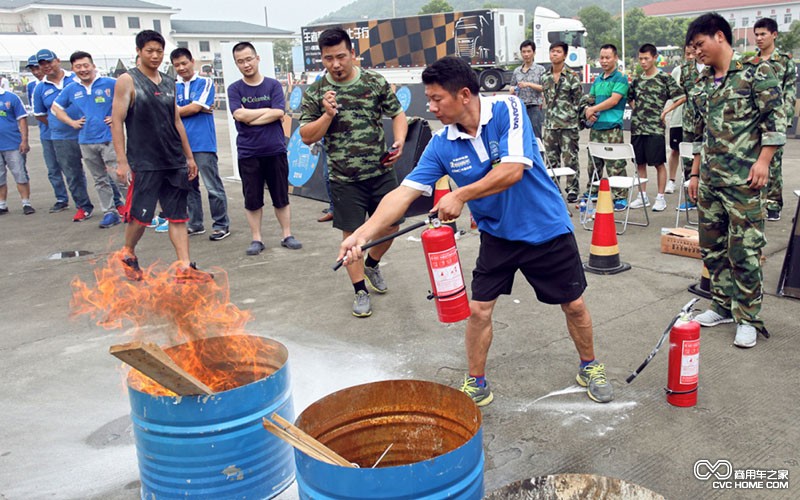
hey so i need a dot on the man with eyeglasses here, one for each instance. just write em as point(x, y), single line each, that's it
point(257, 104)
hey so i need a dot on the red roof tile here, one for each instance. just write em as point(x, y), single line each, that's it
point(693, 6)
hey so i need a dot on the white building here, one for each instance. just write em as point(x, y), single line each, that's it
point(203, 38)
point(741, 14)
point(68, 25)
point(83, 17)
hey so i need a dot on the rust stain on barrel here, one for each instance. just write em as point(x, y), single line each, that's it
point(359, 423)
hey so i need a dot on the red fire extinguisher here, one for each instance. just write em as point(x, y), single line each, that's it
point(684, 363)
point(444, 269)
point(684, 358)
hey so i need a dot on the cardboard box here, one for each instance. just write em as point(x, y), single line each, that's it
point(680, 241)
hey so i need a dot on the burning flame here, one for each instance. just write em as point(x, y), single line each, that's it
point(191, 312)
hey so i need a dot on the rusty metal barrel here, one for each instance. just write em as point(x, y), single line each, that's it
point(432, 432)
point(215, 447)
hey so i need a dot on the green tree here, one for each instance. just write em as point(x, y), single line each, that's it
point(282, 54)
point(436, 6)
point(601, 28)
point(788, 41)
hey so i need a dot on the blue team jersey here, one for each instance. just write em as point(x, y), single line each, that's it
point(200, 128)
point(93, 102)
point(11, 111)
point(29, 89)
point(43, 96)
point(531, 210)
point(42, 126)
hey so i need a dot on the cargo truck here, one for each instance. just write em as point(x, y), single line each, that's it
point(489, 39)
point(401, 48)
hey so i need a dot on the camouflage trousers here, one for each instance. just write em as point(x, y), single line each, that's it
point(775, 184)
point(561, 147)
point(616, 167)
point(731, 239)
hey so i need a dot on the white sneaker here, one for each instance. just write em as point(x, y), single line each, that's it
point(670, 187)
point(660, 205)
point(637, 202)
point(745, 336)
point(711, 318)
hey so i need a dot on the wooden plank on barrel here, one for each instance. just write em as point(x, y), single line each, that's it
point(151, 360)
point(311, 441)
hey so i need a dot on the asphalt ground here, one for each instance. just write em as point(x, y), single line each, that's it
point(65, 430)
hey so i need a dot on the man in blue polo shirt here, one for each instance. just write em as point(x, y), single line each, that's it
point(54, 174)
point(36, 71)
point(195, 97)
point(61, 146)
point(487, 146)
point(608, 95)
point(13, 147)
point(92, 97)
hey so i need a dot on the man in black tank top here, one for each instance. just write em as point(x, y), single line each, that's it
point(158, 161)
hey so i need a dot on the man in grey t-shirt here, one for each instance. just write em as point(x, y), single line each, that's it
point(527, 84)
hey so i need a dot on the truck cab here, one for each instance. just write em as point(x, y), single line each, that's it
point(549, 27)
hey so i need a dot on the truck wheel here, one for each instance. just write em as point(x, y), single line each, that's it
point(491, 80)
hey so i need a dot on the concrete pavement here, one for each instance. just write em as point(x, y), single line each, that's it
point(65, 431)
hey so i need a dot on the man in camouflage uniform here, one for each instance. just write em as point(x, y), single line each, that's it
point(604, 115)
point(345, 107)
point(563, 94)
point(690, 73)
point(739, 115)
point(649, 93)
point(766, 31)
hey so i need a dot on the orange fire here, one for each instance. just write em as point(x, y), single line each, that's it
point(188, 312)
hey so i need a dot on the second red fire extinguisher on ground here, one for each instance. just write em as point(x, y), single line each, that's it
point(684, 363)
point(444, 269)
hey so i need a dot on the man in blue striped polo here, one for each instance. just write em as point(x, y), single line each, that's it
point(194, 95)
point(62, 152)
point(92, 97)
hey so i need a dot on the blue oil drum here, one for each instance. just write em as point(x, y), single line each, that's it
point(435, 436)
point(215, 447)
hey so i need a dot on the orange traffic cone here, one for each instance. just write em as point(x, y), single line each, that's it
point(604, 252)
point(703, 289)
point(441, 188)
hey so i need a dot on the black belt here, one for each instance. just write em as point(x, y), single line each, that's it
point(532, 105)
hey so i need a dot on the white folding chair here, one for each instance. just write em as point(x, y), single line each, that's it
point(554, 173)
point(557, 172)
point(612, 152)
point(686, 151)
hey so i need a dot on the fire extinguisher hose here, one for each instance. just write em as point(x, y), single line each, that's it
point(684, 313)
point(384, 239)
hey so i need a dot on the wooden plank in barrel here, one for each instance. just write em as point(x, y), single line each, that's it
point(151, 360)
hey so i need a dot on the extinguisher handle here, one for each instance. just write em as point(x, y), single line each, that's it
point(384, 239)
point(687, 309)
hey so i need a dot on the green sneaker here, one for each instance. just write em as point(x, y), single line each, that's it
point(593, 376)
point(482, 396)
point(375, 279)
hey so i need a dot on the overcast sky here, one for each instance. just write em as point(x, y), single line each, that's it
point(284, 14)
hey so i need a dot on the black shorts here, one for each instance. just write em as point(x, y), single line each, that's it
point(553, 269)
point(270, 170)
point(168, 188)
point(353, 201)
point(675, 138)
point(649, 149)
